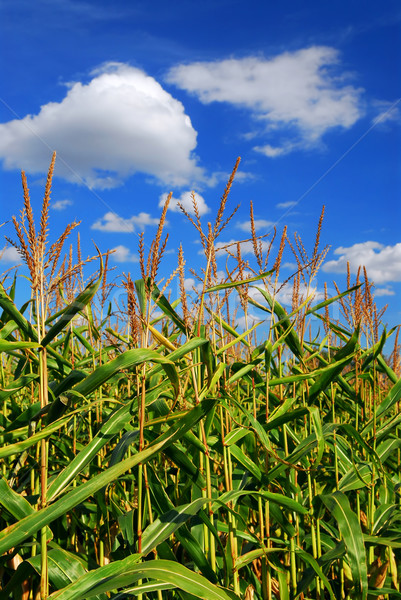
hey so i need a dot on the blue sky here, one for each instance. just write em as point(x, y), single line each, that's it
point(142, 98)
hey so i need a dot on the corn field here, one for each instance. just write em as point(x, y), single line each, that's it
point(156, 451)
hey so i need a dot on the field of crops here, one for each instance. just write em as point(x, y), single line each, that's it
point(155, 450)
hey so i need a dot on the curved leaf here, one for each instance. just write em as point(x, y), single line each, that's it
point(350, 529)
point(126, 572)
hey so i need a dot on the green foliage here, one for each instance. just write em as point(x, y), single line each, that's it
point(183, 459)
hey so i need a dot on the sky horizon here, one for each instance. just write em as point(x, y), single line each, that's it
point(141, 100)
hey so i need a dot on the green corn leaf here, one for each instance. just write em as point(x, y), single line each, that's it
point(176, 355)
point(191, 546)
point(125, 572)
point(25, 528)
point(243, 371)
point(166, 307)
point(331, 300)
point(64, 567)
point(291, 338)
point(392, 593)
point(327, 377)
point(8, 329)
point(16, 385)
point(17, 505)
point(234, 284)
point(387, 369)
point(164, 526)
point(250, 556)
point(392, 542)
point(317, 424)
point(246, 462)
point(226, 326)
point(349, 347)
point(11, 449)
point(143, 588)
point(84, 341)
point(393, 396)
point(127, 360)
point(382, 516)
point(12, 311)
point(279, 499)
point(318, 570)
point(6, 346)
point(235, 435)
point(114, 424)
point(237, 339)
point(350, 529)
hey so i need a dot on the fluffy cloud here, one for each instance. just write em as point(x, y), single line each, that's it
point(119, 123)
point(186, 200)
point(60, 204)
point(10, 255)
point(123, 254)
point(303, 90)
point(383, 263)
point(113, 223)
point(259, 224)
point(190, 284)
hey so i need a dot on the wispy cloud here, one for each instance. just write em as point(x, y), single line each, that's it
point(274, 151)
point(387, 291)
point(121, 122)
point(114, 223)
point(286, 204)
point(383, 263)
point(302, 94)
point(61, 204)
point(388, 111)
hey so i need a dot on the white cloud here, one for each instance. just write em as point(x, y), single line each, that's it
point(61, 204)
point(383, 263)
point(190, 284)
point(113, 223)
point(388, 112)
point(10, 255)
point(286, 204)
point(259, 224)
point(302, 90)
point(274, 151)
point(387, 291)
point(119, 123)
point(223, 176)
point(186, 200)
point(123, 254)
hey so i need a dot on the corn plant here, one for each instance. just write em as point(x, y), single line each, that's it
point(174, 456)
